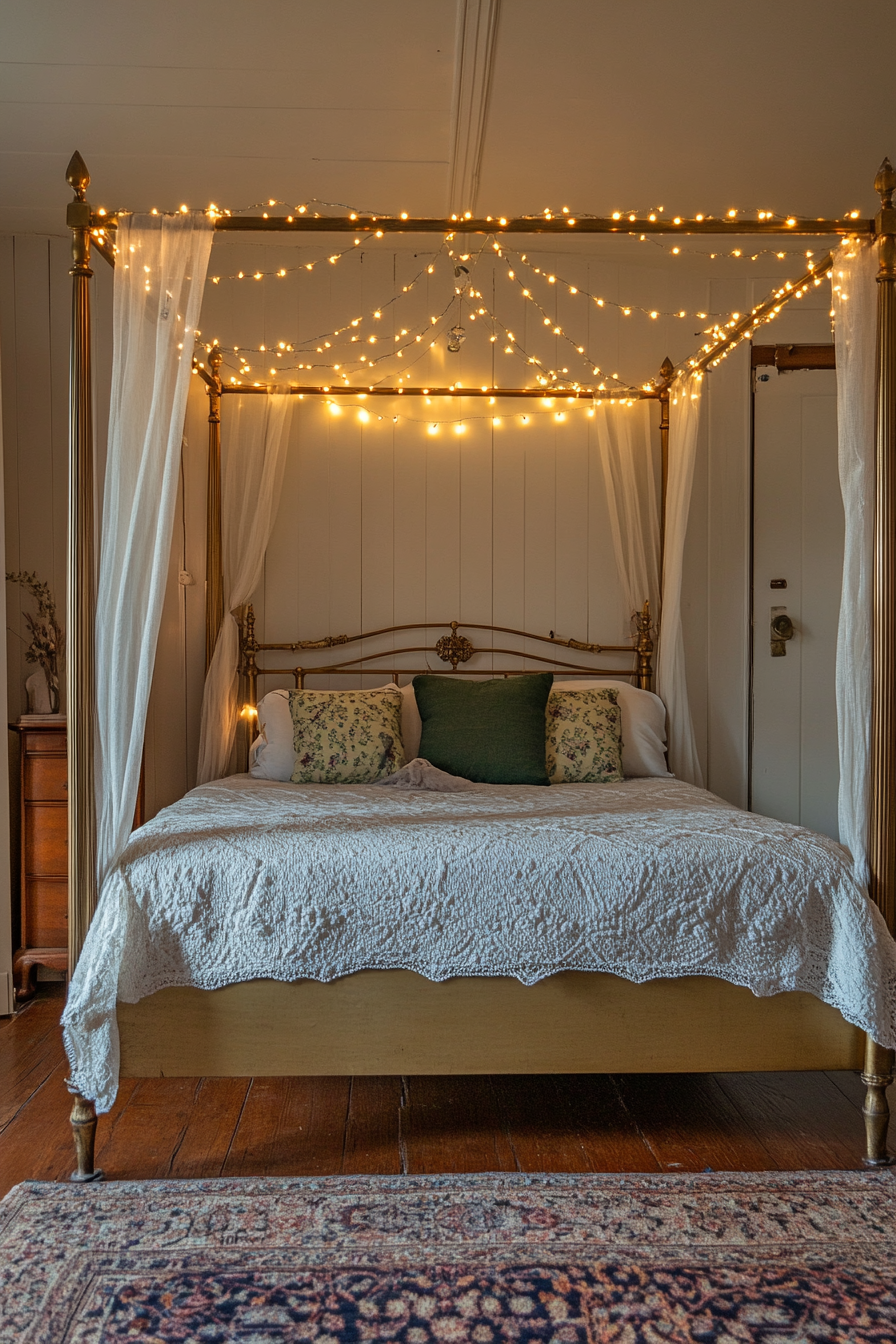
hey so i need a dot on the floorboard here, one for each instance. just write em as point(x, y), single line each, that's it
point(689, 1123)
point(372, 1143)
point(804, 1119)
point(30, 1049)
point(538, 1143)
point(454, 1124)
point(146, 1134)
point(291, 1127)
point(611, 1134)
point(208, 1127)
point(37, 1144)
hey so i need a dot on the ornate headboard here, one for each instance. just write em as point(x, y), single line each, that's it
point(453, 648)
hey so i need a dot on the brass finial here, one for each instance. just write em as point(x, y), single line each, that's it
point(663, 380)
point(885, 183)
point(77, 176)
point(215, 359)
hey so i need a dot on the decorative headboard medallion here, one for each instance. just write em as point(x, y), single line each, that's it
point(454, 648)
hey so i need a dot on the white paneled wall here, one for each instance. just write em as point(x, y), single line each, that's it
point(383, 523)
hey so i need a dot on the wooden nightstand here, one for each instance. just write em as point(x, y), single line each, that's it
point(43, 873)
point(41, 929)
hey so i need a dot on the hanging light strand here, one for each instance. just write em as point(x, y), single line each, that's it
point(283, 271)
point(353, 325)
point(521, 258)
point(737, 253)
point(459, 425)
point(347, 367)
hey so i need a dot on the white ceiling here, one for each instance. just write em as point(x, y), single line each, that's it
point(697, 106)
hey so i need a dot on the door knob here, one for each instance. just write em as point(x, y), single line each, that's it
point(781, 631)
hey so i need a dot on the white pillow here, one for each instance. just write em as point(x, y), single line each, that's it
point(411, 722)
point(272, 755)
point(643, 724)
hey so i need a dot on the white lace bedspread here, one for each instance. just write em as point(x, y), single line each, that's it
point(248, 878)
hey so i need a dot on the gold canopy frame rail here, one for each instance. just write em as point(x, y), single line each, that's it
point(97, 229)
point(625, 225)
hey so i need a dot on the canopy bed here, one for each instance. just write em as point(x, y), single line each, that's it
point(548, 990)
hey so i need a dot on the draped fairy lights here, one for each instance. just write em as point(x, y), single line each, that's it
point(724, 337)
point(730, 217)
point(751, 221)
point(462, 425)
point(282, 272)
point(411, 343)
point(362, 349)
point(326, 341)
point(403, 341)
point(416, 342)
point(735, 253)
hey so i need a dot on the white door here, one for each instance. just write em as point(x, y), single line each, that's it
point(797, 567)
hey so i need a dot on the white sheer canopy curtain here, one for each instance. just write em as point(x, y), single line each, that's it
point(671, 677)
point(159, 280)
point(855, 336)
point(254, 438)
point(626, 459)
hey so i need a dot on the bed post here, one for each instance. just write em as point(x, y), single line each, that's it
point(664, 384)
point(80, 616)
point(878, 1072)
point(84, 1130)
point(644, 647)
point(248, 662)
point(80, 599)
point(214, 578)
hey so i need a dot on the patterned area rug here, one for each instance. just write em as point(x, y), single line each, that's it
point(665, 1259)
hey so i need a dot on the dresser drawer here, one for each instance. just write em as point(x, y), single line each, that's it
point(46, 839)
point(46, 919)
point(46, 778)
point(44, 743)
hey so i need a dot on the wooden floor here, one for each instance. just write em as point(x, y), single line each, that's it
point(200, 1127)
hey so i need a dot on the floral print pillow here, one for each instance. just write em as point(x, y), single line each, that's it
point(346, 737)
point(584, 737)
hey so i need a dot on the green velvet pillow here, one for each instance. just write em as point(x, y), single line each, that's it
point(490, 731)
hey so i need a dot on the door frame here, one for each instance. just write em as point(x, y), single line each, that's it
point(784, 359)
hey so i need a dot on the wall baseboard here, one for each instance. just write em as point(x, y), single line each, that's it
point(7, 1002)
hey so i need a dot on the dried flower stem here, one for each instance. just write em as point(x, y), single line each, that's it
point(47, 645)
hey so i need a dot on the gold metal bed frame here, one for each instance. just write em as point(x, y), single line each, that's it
point(396, 1021)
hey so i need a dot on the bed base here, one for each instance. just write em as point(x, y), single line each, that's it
point(397, 1022)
